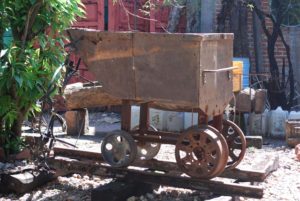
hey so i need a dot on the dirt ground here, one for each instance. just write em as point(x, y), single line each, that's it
point(282, 184)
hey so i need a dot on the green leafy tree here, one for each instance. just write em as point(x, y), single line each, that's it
point(30, 62)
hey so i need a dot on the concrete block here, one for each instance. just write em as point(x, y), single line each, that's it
point(24, 182)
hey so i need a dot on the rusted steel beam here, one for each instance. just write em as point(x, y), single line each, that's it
point(126, 115)
point(154, 139)
point(157, 133)
point(157, 178)
point(74, 153)
point(144, 118)
point(218, 122)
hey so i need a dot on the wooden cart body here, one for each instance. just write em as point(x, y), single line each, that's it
point(174, 71)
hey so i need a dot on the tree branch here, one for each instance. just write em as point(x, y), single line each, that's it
point(261, 15)
point(32, 13)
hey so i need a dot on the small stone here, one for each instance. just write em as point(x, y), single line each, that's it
point(8, 166)
point(77, 176)
point(85, 177)
point(174, 193)
point(150, 196)
point(62, 180)
point(20, 163)
point(132, 198)
point(2, 165)
point(297, 152)
point(96, 179)
point(25, 197)
point(71, 198)
point(142, 198)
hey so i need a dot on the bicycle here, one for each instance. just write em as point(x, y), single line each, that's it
point(48, 116)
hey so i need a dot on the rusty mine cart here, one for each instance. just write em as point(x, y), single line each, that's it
point(176, 72)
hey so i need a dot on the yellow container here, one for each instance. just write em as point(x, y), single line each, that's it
point(237, 75)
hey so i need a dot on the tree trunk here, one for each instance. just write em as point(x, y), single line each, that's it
point(17, 125)
point(276, 95)
point(234, 18)
point(224, 15)
point(174, 18)
point(239, 26)
point(193, 16)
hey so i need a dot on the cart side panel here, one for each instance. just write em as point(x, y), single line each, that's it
point(166, 68)
point(109, 57)
point(215, 88)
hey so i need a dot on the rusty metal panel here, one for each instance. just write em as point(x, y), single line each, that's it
point(166, 68)
point(108, 56)
point(215, 87)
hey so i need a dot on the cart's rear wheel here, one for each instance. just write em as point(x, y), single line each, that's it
point(147, 150)
point(118, 149)
point(199, 153)
point(236, 142)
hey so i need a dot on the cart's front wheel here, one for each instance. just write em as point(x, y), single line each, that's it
point(199, 153)
point(118, 149)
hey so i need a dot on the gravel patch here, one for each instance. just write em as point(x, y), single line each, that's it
point(282, 184)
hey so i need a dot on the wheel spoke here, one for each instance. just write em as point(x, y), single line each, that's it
point(236, 145)
point(148, 150)
point(203, 139)
point(211, 159)
point(210, 148)
point(231, 137)
point(233, 156)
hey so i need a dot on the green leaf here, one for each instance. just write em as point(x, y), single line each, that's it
point(32, 2)
point(19, 80)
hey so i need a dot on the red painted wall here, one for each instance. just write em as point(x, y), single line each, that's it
point(120, 20)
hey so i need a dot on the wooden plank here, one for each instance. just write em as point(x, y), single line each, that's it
point(219, 187)
point(78, 97)
point(292, 142)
